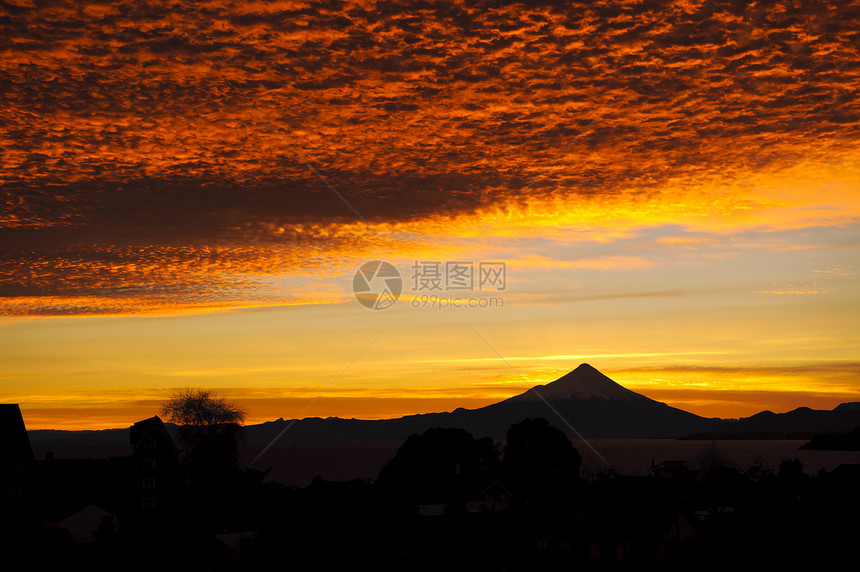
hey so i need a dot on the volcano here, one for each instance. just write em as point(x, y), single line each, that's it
point(583, 403)
point(585, 382)
point(589, 404)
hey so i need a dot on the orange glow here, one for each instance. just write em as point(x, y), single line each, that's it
point(669, 188)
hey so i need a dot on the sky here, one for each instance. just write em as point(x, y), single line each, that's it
point(667, 191)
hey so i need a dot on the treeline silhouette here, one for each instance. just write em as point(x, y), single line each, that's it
point(445, 500)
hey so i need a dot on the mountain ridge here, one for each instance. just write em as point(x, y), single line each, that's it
point(582, 402)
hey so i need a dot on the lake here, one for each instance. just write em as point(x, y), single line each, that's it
point(298, 463)
point(634, 456)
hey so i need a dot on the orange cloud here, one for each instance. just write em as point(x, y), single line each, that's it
point(165, 159)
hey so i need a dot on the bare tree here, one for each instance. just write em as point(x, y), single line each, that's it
point(209, 428)
point(201, 411)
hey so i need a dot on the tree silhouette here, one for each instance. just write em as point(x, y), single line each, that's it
point(201, 409)
point(540, 462)
point(209, 429)
point(443, 465)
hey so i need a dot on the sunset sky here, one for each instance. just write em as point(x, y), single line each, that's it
point(188, 188)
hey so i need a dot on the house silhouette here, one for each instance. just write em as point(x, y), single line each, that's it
point(156, 472)
point(16, 454)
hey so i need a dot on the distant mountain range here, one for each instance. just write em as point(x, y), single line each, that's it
point(582, 403)
point(801, 423)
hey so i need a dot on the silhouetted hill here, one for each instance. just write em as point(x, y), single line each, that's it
point(593, 404)
point(850, 406)
point(835, 442)
point(79, 438)
point(585, 399)
point(801, 423)
point(87, 443)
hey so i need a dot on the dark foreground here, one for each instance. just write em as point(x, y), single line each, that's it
point(446, 500)
point(713, 520)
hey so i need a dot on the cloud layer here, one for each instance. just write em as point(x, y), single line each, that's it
point(174, 152)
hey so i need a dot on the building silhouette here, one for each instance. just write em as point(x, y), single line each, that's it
point(156, 473)
point(16, 455)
